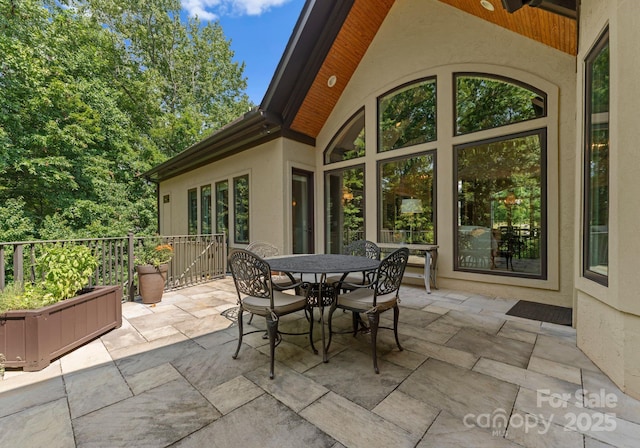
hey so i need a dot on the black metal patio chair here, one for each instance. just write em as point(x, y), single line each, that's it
point(360, 248)
point(258, 295)
point(374, 298)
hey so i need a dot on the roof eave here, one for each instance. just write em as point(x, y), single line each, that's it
point(253, 126)
point(313, 35)
point(317, 27)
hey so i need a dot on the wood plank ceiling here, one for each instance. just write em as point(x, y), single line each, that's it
point(345, 54)
point(363, 23)
point(546, 27)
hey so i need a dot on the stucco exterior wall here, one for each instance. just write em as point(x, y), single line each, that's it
point(422, 38)
point(265, 167)
point(608, 317)
point(299, 156)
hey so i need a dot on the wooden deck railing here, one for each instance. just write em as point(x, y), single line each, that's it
point(196, 259)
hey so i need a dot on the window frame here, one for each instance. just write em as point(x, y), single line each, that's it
point(542, 132)
point(495, 77)
point(192, 211)
point(601, 42)
point(327, 173)
point(405, 85)
point(350, 121)
point(434, 154)
point(236, 240)
point(216, 210)
point(205, 210)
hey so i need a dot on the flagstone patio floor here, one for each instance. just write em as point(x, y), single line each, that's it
point(469, 376)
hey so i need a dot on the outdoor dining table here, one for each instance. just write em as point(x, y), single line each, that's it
point(319, 293)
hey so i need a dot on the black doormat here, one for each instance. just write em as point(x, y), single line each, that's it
point(540, 311)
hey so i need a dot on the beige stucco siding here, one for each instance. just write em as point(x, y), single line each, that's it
point(609, 316)
point(265, 167)
point(422, 38)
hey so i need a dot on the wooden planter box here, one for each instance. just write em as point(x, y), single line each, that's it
point(32, 338)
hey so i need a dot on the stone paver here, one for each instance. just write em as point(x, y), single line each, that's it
point(469, 375)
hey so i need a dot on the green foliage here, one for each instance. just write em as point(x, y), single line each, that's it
point(14, 225)
point(408, 116)
point(241, 208)
point(12, 298)
point(63, 271)
point(485, 103)
point(409, 178)
point(153, 252)
point(94, 94)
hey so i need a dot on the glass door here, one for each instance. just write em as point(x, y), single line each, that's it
point(302, 211)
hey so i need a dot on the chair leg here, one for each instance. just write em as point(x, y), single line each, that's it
point(396, 315)
point(374, 319)
point(272, 330)
point(324, 347)
point(356, 321)
point(240, 313)
point(358, 324)
point(250, 318)
point(315, 352)
point(331, 310)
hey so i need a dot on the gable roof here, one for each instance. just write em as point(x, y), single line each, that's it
point(329, 39)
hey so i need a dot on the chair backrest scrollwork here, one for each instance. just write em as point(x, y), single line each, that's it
point(262, 249)
point(362, 248)
point(391, 270)
point(251, 274)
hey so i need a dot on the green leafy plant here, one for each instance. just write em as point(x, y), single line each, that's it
point(153, 252)
point(2, 361)
point(62, 270)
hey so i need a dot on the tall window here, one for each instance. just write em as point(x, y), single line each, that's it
point(596, 170)
point(344, 196)
point(205, 209)
point(501, 203)
point(241, 209)
point(407, 199)
point(407, 116)
point(222, 207)
point(192, 211)
point(501, 181)
point(348, 143)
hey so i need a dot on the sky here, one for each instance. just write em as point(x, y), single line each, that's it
point(258, 30)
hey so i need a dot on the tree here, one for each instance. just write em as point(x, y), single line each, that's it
point(200, 88)
point(95, 94)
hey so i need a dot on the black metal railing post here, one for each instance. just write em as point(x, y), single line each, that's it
point(131, 290)
point(18, 265)
point(2, 279)
point(197, 259)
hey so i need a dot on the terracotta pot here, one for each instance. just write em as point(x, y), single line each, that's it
point(151, 281)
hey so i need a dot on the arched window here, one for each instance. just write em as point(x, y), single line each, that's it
point(407, 115)
point(348, 143)
point(500, 181)
point(487, 102)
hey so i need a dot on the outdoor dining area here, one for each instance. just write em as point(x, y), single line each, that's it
point(372, 289)
point(207, 366)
